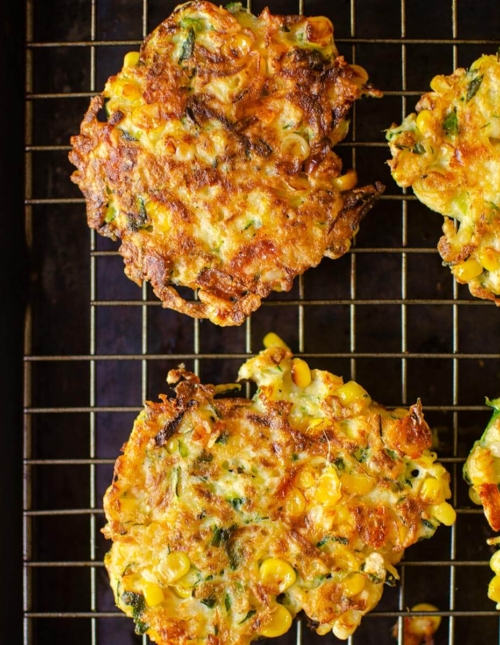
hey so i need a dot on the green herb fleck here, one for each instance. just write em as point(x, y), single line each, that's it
point(177, 481)
point(390, 580)
point(494, 206)
point(233, 7)
point(209, 602)
point(250, 223)
point(391, 454)
point(473, 87)
point(373, 578)
point(450, 124)
point(227, 602)
point(187, 46)
point(428, 524)
point(138, 604)
point(204, 457)
point(295, 457)
point(251, 613)
point(110, 214)
point(342, 540)
point(192, 23)
point(418, 149)
point(216, 538)
point(360, 454)
point(127, 136)
point(223, 438)
point(339, 463)
point(141, 627)
point(332, 538)
point(236, 503)
point(134, 600)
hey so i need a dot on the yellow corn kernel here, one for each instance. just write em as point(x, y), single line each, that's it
point(182, 592)
point(301, 374)
point(128, 89)
point(432, 491)
point(153, 635)
point(494, 589)
point(361, 73)
point(474, 497)
point(444, 513)
point(490, 259)
point(424, 625)
point(425, 121)
point(172, 445)
point(318, 426)
point(495, 562)
point(346, 182)
point(354, 584)
point(439, 84)
point(277, 573)
point(295, 502)
point(293, 145)
point(465, 271)
point(328, 490)
point(153, 594)
point(356, 484)
point(131, 59)
point(174, 565)
point(273, 340)
point(319, 30)
point(128, 504)
point(185, 151)
point(402, 533)
point(238, 45)
point(346, 560)
point(280, 623)
point(306, 479)
point(352, 392)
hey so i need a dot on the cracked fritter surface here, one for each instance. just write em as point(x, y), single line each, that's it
point(449, 152)
point(230, 515)
point(214, 166)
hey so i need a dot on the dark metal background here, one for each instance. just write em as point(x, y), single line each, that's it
point(387, 314)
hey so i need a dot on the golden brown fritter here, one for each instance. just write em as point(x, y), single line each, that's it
point(229, 515)
point(449, 152)
point(482, 473)
point(215, 167)
point(482, 468)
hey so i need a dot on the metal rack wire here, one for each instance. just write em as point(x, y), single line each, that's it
point(459, 558)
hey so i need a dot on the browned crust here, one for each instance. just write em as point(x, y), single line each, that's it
point(490, 499)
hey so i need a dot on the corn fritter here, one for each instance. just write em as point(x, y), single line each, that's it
point(214, 163)
point(229, 516)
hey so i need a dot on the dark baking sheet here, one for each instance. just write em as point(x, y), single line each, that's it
point(387, 314)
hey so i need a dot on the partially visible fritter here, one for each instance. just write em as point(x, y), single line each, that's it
point(449, 152)
point(229, 515)
point(419, 630)
point(214, 165)
point(482, 473)
point(482, 468)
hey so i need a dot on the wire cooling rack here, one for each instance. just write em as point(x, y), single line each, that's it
point(387, 314)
